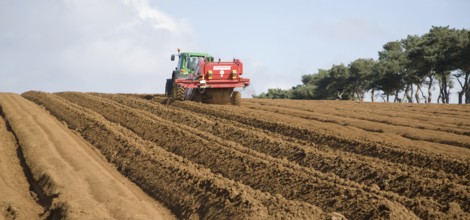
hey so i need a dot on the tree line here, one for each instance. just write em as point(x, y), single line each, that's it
point(410, 67)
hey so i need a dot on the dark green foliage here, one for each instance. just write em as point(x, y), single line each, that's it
point(303, 92)
point(361, 77)
point(335, 85)
point(390, 68)
point(274, 94)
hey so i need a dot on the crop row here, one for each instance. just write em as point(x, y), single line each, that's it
point(238, 163)
point(190, 190)
point(294, 133)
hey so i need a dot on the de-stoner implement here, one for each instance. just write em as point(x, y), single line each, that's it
point(198, 78)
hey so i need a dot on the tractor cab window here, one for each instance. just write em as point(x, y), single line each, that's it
point(192, 63)
point(198, 67)
point(180, 62)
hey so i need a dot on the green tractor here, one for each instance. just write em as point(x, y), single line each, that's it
point(183, 70)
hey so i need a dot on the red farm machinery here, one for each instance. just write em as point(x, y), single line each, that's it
point(197, 77)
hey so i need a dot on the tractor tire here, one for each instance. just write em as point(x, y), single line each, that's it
point(168, 87)
point(236, 98)
point(180, 94)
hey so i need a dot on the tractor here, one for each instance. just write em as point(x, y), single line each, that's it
point(197, 77)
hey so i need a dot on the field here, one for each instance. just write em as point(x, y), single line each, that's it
point(88, 155)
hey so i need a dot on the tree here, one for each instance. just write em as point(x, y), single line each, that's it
point(463, 78)
point(439, 47)
point(361, 75)
point(464, 65)
point(375, 78)
point(309, 88)
point(415, 70)
point(309, 78)
point(461, 61)
point(390, 67)
point(274, 94)
point(333, 84)
point(303, 92)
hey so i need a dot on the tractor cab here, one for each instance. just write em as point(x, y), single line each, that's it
point(187, 63)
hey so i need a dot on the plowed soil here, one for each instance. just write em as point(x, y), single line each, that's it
point(266, 159)
point(66, 178)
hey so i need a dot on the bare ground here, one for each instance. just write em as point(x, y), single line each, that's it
point(266, 159)
point(70, 179)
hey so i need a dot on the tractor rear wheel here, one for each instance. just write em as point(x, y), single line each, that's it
point(236, 98)
point(180, 94)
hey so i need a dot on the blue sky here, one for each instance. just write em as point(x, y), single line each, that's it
point(125, 45)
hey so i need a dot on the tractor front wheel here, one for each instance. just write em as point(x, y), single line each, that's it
point(180, 94)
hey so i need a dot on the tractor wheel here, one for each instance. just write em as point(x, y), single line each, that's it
point(236, 98)
point(180, 94)
point(168, 87)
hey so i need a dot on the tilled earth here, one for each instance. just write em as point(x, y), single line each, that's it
point(266, 159)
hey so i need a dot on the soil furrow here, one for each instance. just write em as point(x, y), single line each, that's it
point(190, 190)
point(75, 184)
point(19, 197)
point(366, 125)
point(238, 163)
point(427, 114)
point(408, 181)
point(368, 115)
point(379, 150)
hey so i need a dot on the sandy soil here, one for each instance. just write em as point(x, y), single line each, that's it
point(189, 189)
point(268, 159)
point(70, 180)
point(16, 201)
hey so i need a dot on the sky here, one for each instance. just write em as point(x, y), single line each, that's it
point(125, 45)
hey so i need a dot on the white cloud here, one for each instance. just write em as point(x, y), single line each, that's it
point(158, 19)
point(107, 45)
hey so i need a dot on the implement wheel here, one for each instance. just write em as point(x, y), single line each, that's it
point(180, 94)
point(236, 98)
